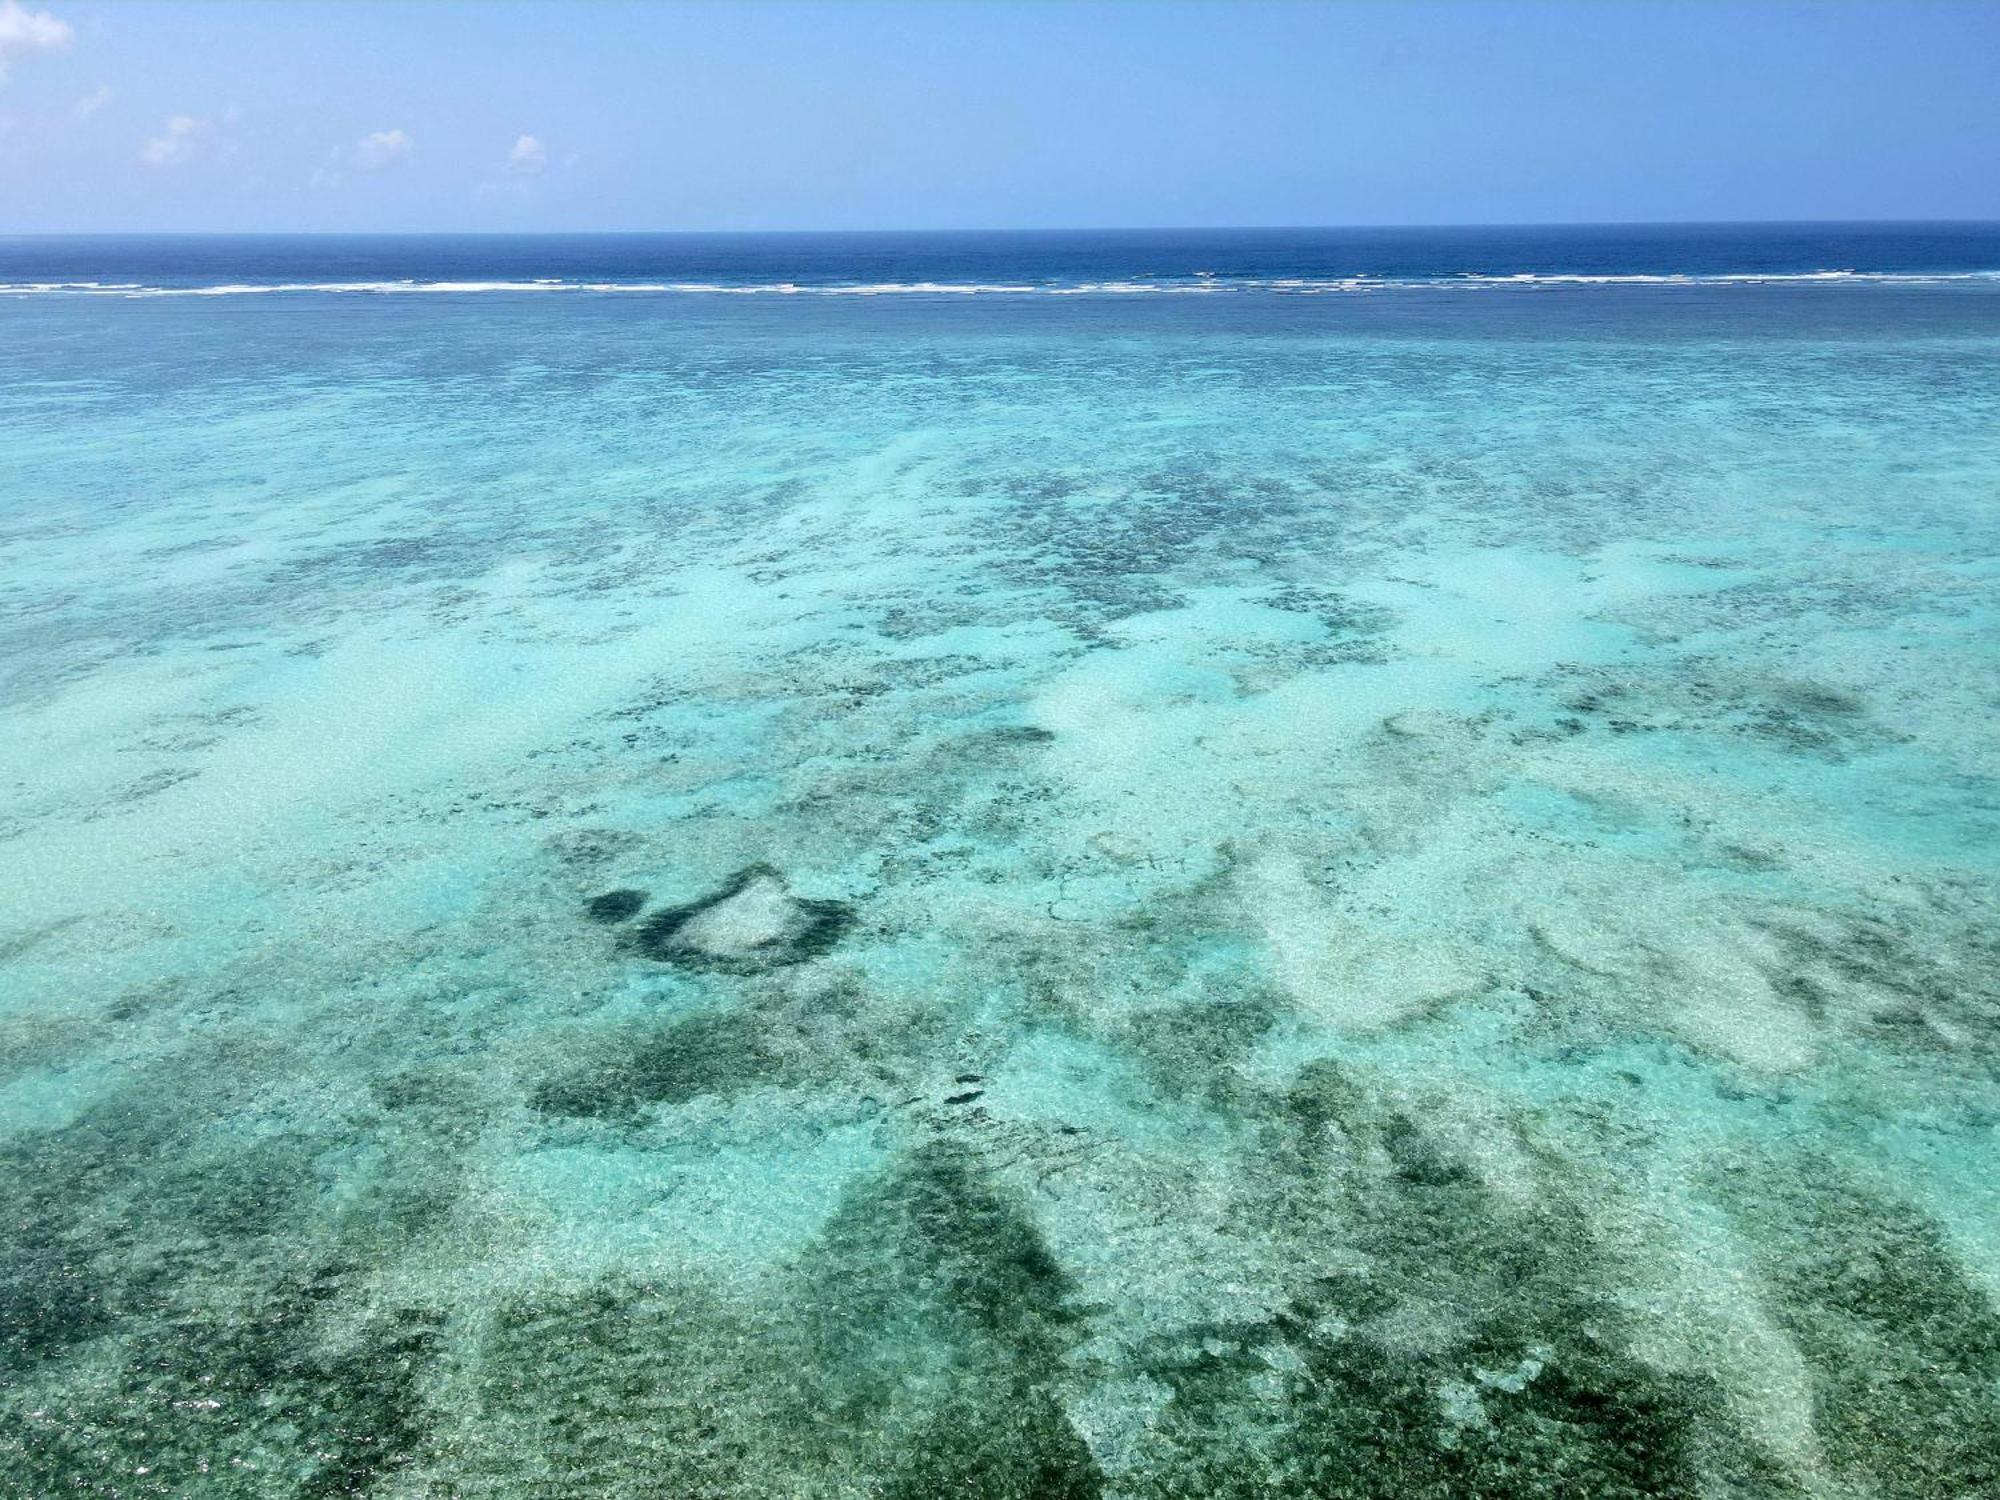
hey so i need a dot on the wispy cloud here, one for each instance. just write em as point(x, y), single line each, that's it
point(175, 143)
point(377, 151)
point(529, 158)
point(383, 148)
point(23, 31)
point(93, 101)
point(520, 179)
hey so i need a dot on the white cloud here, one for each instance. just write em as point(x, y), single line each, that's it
point(383, 148)
point(23, 31)
point(93, 101)
point(377, 151)
point(529, 157)
point(175, 143)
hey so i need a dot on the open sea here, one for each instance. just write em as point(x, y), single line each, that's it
point(1351, 865)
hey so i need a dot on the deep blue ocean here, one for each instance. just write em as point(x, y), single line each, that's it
point(1056, 260)
point(1089, 866)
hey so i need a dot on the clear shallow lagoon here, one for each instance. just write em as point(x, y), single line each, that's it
point(1358, 880)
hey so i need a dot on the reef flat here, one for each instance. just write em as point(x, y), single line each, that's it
point(1087, 900)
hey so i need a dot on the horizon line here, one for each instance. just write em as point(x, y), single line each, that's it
point(47, 234)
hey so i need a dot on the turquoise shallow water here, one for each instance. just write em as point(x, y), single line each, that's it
point(1371, 896)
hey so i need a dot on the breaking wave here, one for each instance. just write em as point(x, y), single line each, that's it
point(1199, 284)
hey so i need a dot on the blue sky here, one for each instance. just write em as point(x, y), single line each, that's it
point(367, 115)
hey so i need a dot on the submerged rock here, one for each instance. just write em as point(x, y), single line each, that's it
point(751, 923)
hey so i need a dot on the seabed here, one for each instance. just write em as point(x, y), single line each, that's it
point(1374, 901)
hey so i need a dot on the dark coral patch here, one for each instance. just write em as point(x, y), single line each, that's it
point(711, 1052)
point(1008, 737)
point(1479, 1354)
point(1902, 1343)
point(49, 1299)
point(1016, 1446)
point(615, 906)
point(750, 924)
point(616, 1390)
point(221, 1388)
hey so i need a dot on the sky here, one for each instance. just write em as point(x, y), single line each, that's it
point(436, 115)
